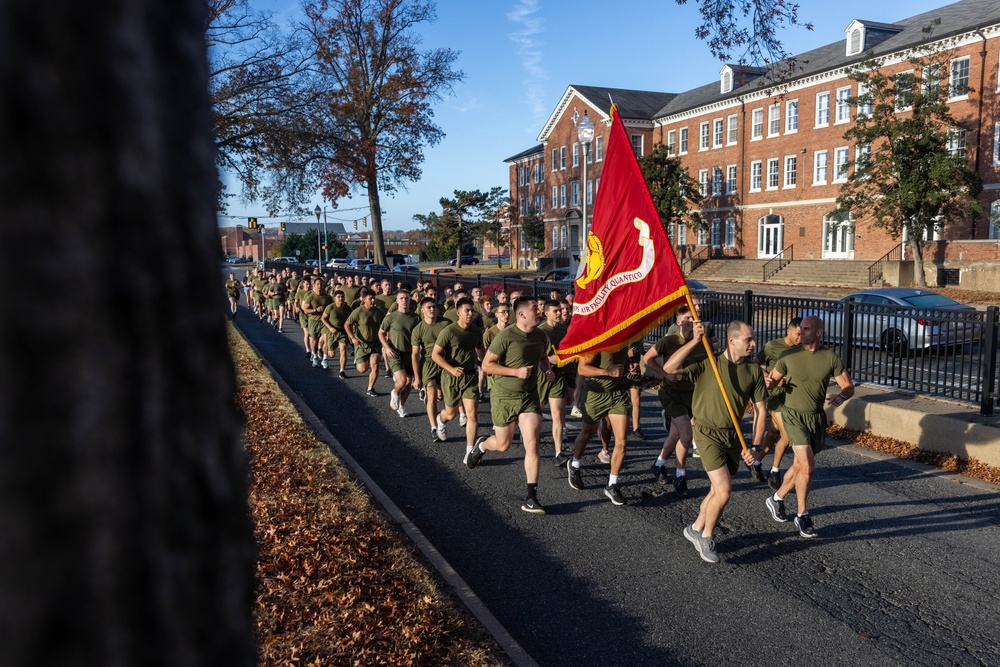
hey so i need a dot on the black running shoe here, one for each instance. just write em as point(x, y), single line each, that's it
point(343, 375)
point(774, 479)
point(757, 473)
point(659, 473)
point(614, 495)
point(371, 391)
point(532, 506)
point(681, 486)
point(473, 458)
point(805, 525)
point(388, 373)
point(777, 509)
point(575, 480)
point(638, 434)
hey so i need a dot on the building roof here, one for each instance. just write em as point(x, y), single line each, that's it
point(531, 152)
point(633, 105)
point(955, 19)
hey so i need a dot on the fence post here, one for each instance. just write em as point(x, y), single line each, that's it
point(848, 321)
point(748, 307)
point(988, 373)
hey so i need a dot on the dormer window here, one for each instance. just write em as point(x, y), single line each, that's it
point(855, 38)
point(726, 80)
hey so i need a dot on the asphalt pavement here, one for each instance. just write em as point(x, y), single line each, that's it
point(903, 572)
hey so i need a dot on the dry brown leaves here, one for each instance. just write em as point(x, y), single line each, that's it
point(904, 450)
point(337, 584)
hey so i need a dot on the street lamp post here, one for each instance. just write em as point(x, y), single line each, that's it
point(319, 255)
point(585, 132)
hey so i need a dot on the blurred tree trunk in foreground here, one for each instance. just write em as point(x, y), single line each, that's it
point(125, 536)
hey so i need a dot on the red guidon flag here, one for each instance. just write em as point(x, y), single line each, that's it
point(631, 281)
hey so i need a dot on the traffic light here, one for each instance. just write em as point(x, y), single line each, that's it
point(366, 221)
point(355, 224)
point(251, 223)
point(282, 228)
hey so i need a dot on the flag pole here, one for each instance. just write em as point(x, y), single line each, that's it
point(718, 376)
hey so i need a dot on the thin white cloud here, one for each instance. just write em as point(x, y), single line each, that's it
point(530, 51)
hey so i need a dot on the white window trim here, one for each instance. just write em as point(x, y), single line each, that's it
point(895, 102)
point(784, 180)
point(704, 136)
point(772, 108)
point(760, 169)
point(732, 129)
point(789, 116)
point(846, 105)
point(686, 143)
point(996, 143)
point(837, 178)
point(672, 143)
point(731, 191)
point(703, 182)
point(576, 153)
point(951, 82)
point(826, 167)
point(777, 174)
point(599, 149)
point(825, 93)
point(753, 124)
point(721, 135)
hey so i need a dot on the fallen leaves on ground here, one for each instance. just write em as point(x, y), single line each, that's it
point(337, 583)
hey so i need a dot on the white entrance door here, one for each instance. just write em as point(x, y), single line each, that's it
point(770, 236)
point(838, 239)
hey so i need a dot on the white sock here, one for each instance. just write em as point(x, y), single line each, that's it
point(468, 449)
point(613, 479)
point(681, 472)
point(660, 462)
point(777, 498)
point(775, 469)
point(576, 462)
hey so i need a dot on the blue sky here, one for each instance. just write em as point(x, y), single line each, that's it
point(519, 57)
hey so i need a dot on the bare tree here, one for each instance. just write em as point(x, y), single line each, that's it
point(747, 26)
point(123, 483)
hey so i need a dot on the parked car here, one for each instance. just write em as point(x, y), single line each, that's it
point(359, 262)
point(290, 260)
point(312, 262)
point(491, 288)
point(338, 263)
point(375, 267)
point(466, 259)
point(406, 268)
point(440, 271)
point(899, 320)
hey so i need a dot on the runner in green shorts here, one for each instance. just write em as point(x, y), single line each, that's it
point(554, 393)
point(776, 437)
point(395, 333)
point(607, 396)
point(334, 318)
point(313, 304)
point(362, 328)
point(457, 350)
point(426, 372)
point(809, 368)
point(721, 448)
point(516, 356)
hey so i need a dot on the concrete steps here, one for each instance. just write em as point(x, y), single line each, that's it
point(814, 272)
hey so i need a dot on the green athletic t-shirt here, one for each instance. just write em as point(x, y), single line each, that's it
point(424, 336)
point(386, 301)
point(350, 293)
point(399, 329)
point(318, 301)
point(604, 361)
point(337, 316)
point(366, 323)
point(517, 349)
point(665, 348)
point(743, 382)
point(459, 345)
point(808, 376)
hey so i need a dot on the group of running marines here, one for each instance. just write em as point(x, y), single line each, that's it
point(503, 346)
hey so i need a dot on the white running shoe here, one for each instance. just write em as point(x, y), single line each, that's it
point(442, 430)
point(575, 412)
point(463, 420)
point(401, 411)
point(394, 400)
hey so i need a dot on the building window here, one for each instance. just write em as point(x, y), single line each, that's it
point(562, 196)
point(703, 145)
point(684, 140)
point(843, 105)
point(931, 84)
point(996, 144)
point(791, 176)
point(731, 179)
point(703, 182)
point(733, 124)
point(555, 238)
point(702, 236)
point(672, 143)
point(862, 158)
point(819, 168)
point(959, 78)
point(864, 100)
point(730, 232)
point(822, 109)
point(555, 196)
point(636, 144)
point(562, 237)
point(588, 153)
point(562, 157)
point(956, 143)
point(757, 124)
point(774, 120)
point(727, 81)
point(717, 132)
point(716, 231)
point(716, 181)
point(840, 164)
point(599, 148)
point(995, 219)
point(576, 154)
point(772, 173)
point(791, 116)
point(904, 90)
point(555, 159)
point(755, 176)
point(854, 42)
point(682, 234)
point(575, 193)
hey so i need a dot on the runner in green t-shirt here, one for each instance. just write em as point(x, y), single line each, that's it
point(675, 397)
point(606, 397)
point(767, 358)
point(426, 373)
point(457, 351)
point(808, 369)
point(362, 328)
point(721, 447)
point(515, 356)
point(334, 318)
point(233, 289)
point(313, 304)
point(554, 392)
point(395, 332)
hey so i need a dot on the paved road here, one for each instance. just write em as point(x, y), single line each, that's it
point(904, 572)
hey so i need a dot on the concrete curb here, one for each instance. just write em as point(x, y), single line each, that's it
point(514, 651)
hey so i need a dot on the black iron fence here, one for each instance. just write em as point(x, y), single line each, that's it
point(935, 352)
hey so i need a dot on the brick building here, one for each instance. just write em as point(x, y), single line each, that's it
point(769, 151)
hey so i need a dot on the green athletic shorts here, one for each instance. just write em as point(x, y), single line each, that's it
point(676, 403)
point(505, 408)
point(363, 351)
point(718, 447)
point(429, 372)
point(335, 338)
point(402, 362)
point(455, 389)
point(775, 400)
point(554, 389)
point(804, 428)
point(598, 405)
point(316, 327)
